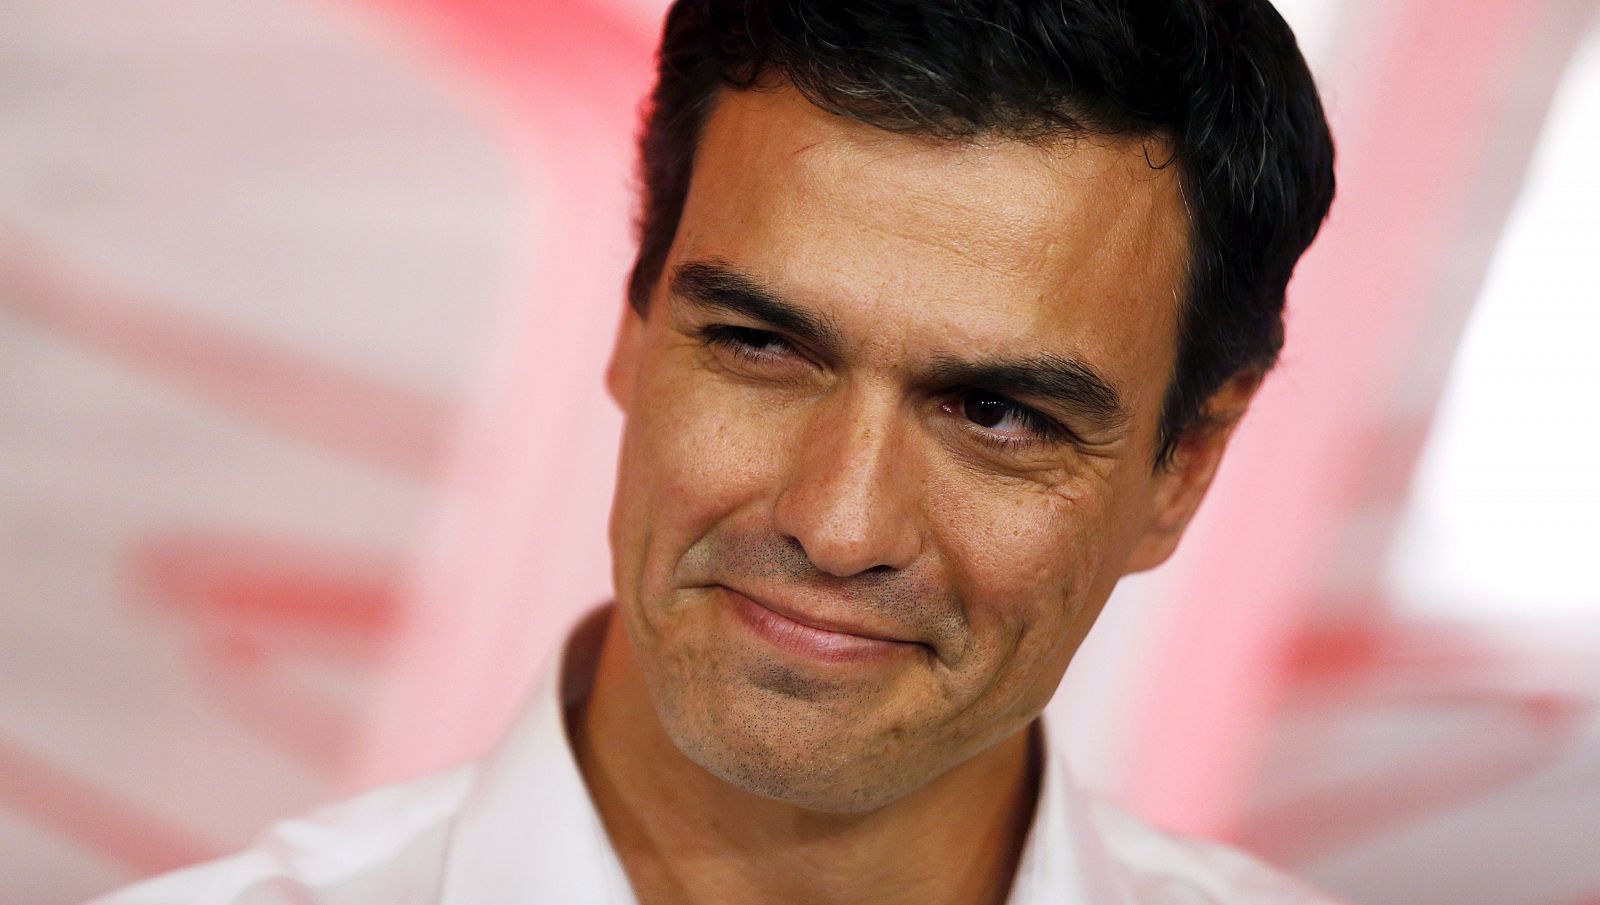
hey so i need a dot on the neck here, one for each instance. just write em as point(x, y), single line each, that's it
point(685, 836)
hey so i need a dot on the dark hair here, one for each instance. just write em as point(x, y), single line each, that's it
point(1221, 82)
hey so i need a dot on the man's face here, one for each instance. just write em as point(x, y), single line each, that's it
point(891, 420)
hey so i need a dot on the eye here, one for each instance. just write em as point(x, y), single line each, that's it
point(747, 342)
point(1005, 422)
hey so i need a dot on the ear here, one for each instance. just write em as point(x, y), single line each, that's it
point(1182, 484)
point(623, 368)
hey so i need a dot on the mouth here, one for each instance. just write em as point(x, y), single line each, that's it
point(813, 637)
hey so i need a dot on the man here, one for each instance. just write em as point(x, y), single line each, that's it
point(942, 315)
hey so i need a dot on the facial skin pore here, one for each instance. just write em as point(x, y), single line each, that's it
point(891, 425)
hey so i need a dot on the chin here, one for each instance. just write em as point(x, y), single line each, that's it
point(793, 751)
point(816, 739)
point(793, 777)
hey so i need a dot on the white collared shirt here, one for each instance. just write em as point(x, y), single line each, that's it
point(518, 828)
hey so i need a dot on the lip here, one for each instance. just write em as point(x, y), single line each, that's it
point(812, 637)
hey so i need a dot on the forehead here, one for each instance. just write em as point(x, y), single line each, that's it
point(1077, 243)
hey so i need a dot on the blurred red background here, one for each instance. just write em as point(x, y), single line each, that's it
point(304, 309)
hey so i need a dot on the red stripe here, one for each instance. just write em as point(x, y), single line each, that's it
point(102, 823)
point(1536, 731)
point(333, 408)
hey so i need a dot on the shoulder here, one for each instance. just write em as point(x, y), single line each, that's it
point(387, 845)
point(1163, 868)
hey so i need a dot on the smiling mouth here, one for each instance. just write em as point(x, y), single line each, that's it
point(833, 644)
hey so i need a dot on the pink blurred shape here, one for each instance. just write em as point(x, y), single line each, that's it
point(99, 821)
point(242, 584)
point(518, 546)
point(1407, 169)
point(329, 407)
point(254, 606)
point(1419, 672)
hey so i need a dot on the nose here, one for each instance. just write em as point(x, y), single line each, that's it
point(850, 494)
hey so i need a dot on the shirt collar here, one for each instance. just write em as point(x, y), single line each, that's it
point(529, 833)
point(1064, 861)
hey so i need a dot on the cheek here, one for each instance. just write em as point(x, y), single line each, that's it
point(690, 457)
point(1026, 556)
point(1029, 564)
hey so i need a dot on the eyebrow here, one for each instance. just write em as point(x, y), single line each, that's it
point(1066, 382)
point(716, 286)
